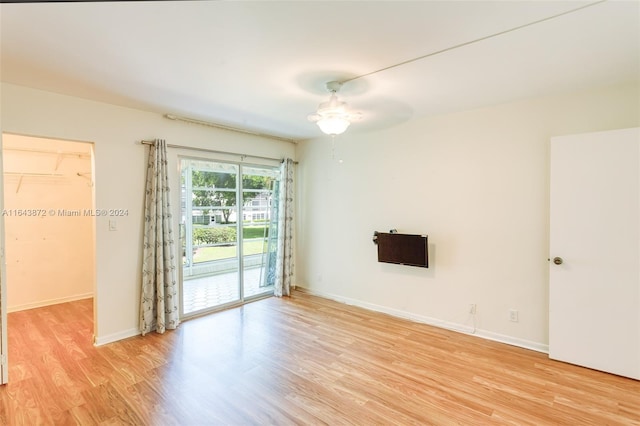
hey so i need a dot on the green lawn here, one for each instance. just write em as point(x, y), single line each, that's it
point(206, 254)
point(249, 232)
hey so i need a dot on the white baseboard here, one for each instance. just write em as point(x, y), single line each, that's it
point(110, 338)
point(460, 328)
point(49, 302)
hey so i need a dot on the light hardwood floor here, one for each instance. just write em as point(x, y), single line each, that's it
point(299, 360)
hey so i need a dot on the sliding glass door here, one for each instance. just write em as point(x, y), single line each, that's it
point(258, 214)
point(229, 220)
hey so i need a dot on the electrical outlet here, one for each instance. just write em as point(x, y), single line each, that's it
point(472, 308)
point(513, 315)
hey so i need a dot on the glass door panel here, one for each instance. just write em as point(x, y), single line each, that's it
point(257, 214)
point(228, 232)
point(211, 259)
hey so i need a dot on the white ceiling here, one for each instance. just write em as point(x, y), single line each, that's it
point(263, 65)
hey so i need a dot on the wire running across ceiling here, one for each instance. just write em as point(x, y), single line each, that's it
point(332, 116)
point(467, 43)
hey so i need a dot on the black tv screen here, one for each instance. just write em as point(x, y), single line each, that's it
point(403, 249)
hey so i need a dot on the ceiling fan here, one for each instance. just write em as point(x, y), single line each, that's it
point(333, 117)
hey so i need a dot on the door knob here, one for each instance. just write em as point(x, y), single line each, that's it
point(557, 260)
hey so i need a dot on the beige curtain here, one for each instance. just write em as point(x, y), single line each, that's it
point(159, 300)
point(284, 260)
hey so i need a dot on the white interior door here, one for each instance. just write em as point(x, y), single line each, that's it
point(594, 294)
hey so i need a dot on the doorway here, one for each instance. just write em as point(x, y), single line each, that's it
point(49, 226)
point(228, 233)
point(594, 281)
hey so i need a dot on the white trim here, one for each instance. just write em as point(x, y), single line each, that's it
point(49, 302)
point(460, 328)
point(4, 367)
point(114, 337)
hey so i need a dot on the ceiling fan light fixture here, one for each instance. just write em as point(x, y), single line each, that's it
point(333, 125)
point(333, 117)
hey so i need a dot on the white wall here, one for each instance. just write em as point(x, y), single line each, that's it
point(50, 250)
point(477, 182)
point(120, 163)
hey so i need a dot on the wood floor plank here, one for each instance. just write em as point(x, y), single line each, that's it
point(301, 360)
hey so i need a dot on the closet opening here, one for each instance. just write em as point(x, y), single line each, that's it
point(49, 241)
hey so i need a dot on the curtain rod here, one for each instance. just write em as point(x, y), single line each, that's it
point(232, 129)
point(214, 151)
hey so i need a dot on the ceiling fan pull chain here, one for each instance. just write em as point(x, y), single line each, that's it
point(333, 147)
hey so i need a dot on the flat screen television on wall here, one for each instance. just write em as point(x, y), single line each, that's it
point(403, 249)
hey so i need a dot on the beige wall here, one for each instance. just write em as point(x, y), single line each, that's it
point(477, 182)
point(120, 164)
point(49, 253)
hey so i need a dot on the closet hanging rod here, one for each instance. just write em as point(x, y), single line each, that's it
point(42, 151)
point(34, 174)
point(214, 151)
